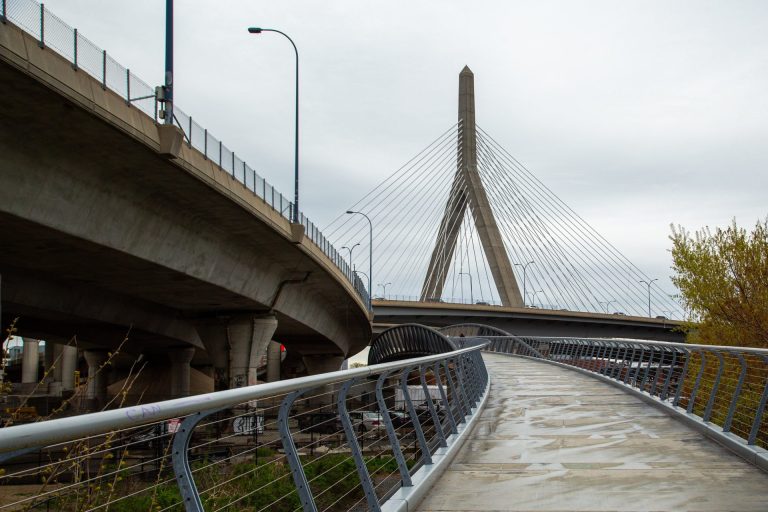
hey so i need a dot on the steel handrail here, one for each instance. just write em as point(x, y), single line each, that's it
point(62, 430)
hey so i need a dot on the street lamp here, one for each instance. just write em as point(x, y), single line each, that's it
point(384, 285)
point(649, 283)
point(606, 304)
point(471, 295)
point(168, 88)
point(525, 267)
point(534, 296)
point(370, 253)
point(350, 249)
point(257, 30)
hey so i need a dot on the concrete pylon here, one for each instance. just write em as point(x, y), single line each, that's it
point(248, 339)
point(68, 366)
point(180, 370)
point(214, 336)
point(30, 361)
point(467, 191)
point(274, 356)
point(96, 392)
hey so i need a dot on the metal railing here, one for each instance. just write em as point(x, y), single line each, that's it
point(725, 386)
point(51, 32)
point(345, 440)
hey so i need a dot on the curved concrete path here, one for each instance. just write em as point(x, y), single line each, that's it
point(556, 440)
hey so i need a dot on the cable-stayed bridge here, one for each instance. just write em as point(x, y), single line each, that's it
point(465, 222)
point(103, 231)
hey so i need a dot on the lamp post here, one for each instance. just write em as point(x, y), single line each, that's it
point(350, 249)
point(370, 253)
point(606, 304)
point(649, 283)
point(168, 86)
point(525, 267)
point(471, 294)
point(384, 285)
point(534, 296)
point(258, 30)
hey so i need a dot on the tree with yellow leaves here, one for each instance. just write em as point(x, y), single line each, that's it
point(722, 276)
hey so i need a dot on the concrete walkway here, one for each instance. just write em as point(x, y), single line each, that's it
point(553, 439)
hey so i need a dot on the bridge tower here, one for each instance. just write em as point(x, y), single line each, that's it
point(467, 191)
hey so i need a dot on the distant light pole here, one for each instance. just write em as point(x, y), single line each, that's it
point(606, 304)
point(533, 295)
point(258, 30)
point(471, 294)
point(525, 267)
point(370, 253)
point(350, 249)
point(384, 285)
point(649, 283)
point(168, 86)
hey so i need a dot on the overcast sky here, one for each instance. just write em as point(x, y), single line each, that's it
point(637, 114)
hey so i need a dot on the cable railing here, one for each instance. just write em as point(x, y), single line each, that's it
point(724, 388)
point(345, 440)
point(51, 32)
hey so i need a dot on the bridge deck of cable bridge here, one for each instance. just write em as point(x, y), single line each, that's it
point(553, 439)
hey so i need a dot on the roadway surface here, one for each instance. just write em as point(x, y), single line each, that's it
point(552, 439)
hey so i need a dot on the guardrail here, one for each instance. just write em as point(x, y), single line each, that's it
point(51, 32)
point(337, 441)
point(722, 388)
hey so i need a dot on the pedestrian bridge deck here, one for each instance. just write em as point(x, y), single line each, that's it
point(554, 439)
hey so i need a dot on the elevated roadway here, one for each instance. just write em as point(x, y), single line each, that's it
point(526, 321)
point(106, 232)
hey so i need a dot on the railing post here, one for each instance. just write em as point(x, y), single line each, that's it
point(4, 14)
point(711, 401)
point(220, 147)
point(423, 446)
point(205, 144)
point(297, 470)
point(647, 369)
point(354, 446)
point(41, 43)
point(180, 461)
point(759, 413)
point(630, 361)
point(431, 407)
point(233, 164)
point(736, 393)
point(681, 380)
point(74, 58)
point(443, 397)
point(695, 391)
point(104, 69)
point(664, 392)
point(394, 442)
point(662, 357)
point(189, 139)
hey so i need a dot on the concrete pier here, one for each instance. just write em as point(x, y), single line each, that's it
point(552, 439)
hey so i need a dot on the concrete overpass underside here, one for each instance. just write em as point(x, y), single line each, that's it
point(102, 234)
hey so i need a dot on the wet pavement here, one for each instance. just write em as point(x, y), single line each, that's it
point(556, 440)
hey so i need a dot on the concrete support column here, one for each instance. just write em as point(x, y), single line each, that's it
point(96, 393)
point(213, 334)
point(68, 365)
point(274, 356)
point(323, 363)
point(30, 361)
point(180, 370)
point(50, 360)
point(248, 339)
